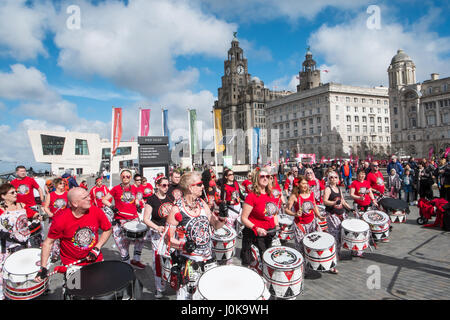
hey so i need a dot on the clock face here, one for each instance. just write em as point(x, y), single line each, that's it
point(227, 71)
point(240, 69)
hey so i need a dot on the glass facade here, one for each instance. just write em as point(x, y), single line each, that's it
point(52, 145)
point(121, 151)
point(81, 147)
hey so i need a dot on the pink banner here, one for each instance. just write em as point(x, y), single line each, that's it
point(430, 153)
point(145, 122)
point(117, 129)
point(446, 152)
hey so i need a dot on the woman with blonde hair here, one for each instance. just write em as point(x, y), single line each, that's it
point(259, 216)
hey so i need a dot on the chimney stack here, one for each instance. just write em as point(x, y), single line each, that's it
point(435, 76)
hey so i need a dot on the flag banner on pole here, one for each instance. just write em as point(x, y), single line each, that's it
point(145, 122)
point(446, 152)
point(430, 153)
point(255, 145)
point(193, 133)
point(166, 126)
point(218, 134)
point(117, 129)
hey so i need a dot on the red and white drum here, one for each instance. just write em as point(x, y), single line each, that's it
point(320, 251)
point(283, 271)
point(286, 227)
point(231, 283)
point(166, 266)
point(398, 216)
point(134, 230)
point(355, 234)
point(256, 264)
point(19, 271)
point(379, 223)
point(323, 224)
point(224, 242)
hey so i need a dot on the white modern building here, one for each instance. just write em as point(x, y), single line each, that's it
point(83, 153)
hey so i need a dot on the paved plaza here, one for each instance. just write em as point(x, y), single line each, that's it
point(415, 264)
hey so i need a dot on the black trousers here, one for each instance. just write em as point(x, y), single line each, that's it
point(249, 238)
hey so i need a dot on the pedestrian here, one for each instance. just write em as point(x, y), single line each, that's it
point(425, 180)
point(394, 184)
point(407, 186)
point(346, 174)
point(69, 179)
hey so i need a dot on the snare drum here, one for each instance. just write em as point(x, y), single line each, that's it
point(396, 208)
point(19, 271)
point(134, 230)
point(320, 251)
point(286, 227)
point(230, 283)
point(379, 223)
point(166, 266)
point(224, 242)
point(355, 234)
point(323, 224)
point(283, 271)
point(106, 280)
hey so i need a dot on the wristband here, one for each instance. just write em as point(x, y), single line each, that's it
point(255, 230)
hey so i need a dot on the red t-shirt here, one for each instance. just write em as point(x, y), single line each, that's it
point(232, 193)
point(97, 194)
point(247, 184)
point(140, 196)
point(78, 235)
point(264, 210)
point(376, 181)
point(125, 202)
point(24, 190)
point(276, 192)
point(148, 190)
point(361, 189)
point(58, 202)
point(307, 207)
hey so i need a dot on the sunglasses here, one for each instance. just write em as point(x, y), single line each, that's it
point(126, 177)
point(198, 184)
point(164, 185)
point(230, 174)
point(264, 176)
point(12, 192)
point(333, 177)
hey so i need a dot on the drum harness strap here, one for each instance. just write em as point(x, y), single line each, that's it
point(6, 236)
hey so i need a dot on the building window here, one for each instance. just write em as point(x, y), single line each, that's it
point(380, 129)
point(379, 120)
point(396, 124)
point(356, 118)
point(357, 138)
point(364, 129)
point(386, 129)
point(431, 119)
point(349, 118)
point(81, 147)
point(355, 99)
point(364, 119)
point(395, 110)
point(356, 109)
point(337, 117)
point(349, 138)
point(349, 128)
point(52, 145)
point(372, 120)
point(348, 108)
point(357, 129)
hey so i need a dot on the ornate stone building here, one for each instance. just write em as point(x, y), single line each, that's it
point(420, 112)
point(242, 98)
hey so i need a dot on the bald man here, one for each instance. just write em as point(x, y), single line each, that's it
point(77, 228)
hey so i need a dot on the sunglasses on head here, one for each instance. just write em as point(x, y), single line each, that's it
point(198, 184)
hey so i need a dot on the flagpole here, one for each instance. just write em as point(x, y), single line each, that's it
point(215, 141)
point(162, 121)
point(140, 122)
point(112, 146)
point(190, 136)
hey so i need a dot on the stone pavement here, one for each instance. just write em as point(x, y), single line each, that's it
point(415, 264)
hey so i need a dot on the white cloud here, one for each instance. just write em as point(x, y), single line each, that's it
point(135, 46)
point(95, 93)
point(357, 55)
point(23, 28)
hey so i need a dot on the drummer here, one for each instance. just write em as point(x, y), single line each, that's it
point(247, 184)
point(335, 206)
point(376, 179)
point(77, 228)
point(157, 208)
point(259, 215)
point(148, 189)
point(211, 194)
point(305, 211)
point(190, 233)
point(125, 210)
point(231, 193)
point(316, 186)
point(98, 191)
point(14, 225)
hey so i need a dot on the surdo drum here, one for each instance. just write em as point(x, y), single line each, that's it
point(355, 234)
point(106, 280)
point(19, 271)
point(379, 223)
point(134, 230)
point(231, 283)
point(323, 224)
point(286, 227)
point(224, 242)
point(320, 251)
point(396, 209)
point(283, 271)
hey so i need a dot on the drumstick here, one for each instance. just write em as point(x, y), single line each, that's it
point(66, 266)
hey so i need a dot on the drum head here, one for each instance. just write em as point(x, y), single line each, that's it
point(282, 257)
point(231, 283)
point(135, 226)
point(224, 234)
point(101, 279)
point(375, 217)
point(355, 225)
point(393, 204)
point(22, 265)
point(318, 240)
point(286, 219)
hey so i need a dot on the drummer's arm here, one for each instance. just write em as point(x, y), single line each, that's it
point(173, 223)
point(317, 213)
point(47, 208)
point(353, 195)
point(216, 221)
point(106, 200)
point(326, 195)
point(372, 197)
point(147, 219)
point(246, 210)
point(287, 209)
point(45, 253)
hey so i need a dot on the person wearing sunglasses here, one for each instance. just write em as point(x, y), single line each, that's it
point(317, 186)
point(306, 213)
point(259, 215)
point(232, 195)
point(335, 206)
point(14, 225)
point(211, 194)
point(157, 209)
point(148, 189)
point(376, 180)
point(190, 222)
point(125, 210)
point(98, 192)
point(140, 203)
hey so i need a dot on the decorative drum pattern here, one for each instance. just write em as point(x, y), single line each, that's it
point(320, 251)
point(224, 242)
point(355, 234)
point(379, 223)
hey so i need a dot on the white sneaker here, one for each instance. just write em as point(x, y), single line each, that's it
point(159, 294)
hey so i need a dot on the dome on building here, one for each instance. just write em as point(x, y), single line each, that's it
point(256, 79)
point(400, 56)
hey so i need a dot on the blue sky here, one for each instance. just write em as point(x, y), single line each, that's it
point(170, 54)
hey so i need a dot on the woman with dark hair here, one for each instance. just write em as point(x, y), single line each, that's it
point(157, 209)
point(14, 227)
point(317, 187)
point(231, 193)
point(211, 194)
point(361, 192)
point(259, 215)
